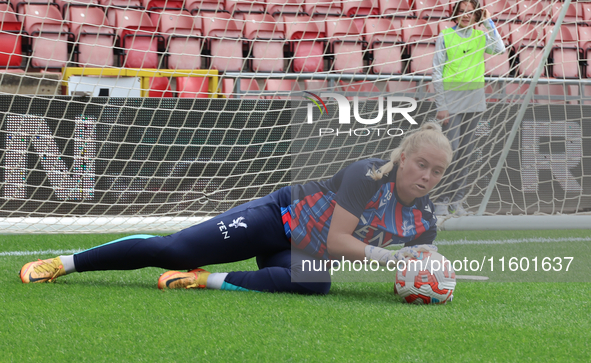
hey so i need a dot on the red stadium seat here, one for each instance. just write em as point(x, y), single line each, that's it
point(10, 38)
point(156, 7)
point(420, 44)
point(534, 10)
point(394, 87)
point(346, 44)
point(502, 10)
point(584, 46)
point(138, 38)
point(431, 9)
point(49, 36)
point(385, 42)
point(497, 65)
point(246, 84)
point(182, 35)
point(361, 10)
point(283, 87)
point(528, 41)
point(565, 53)
point(203, 6)
point(266, 43)
point(323, 8)
point(160, 87)
point(316, 85)
point(192, 87)
point(396, 8)
point(94, 36)
point(238, 8)
point(572, 13)
point(359, 89)
point(225, 41)
point(306, 43)
point(285, 7)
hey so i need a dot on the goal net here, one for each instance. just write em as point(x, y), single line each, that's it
point(153, 115)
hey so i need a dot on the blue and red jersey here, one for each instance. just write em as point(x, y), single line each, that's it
point(383, 220)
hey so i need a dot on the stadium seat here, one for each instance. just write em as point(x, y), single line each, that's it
point(204, 6)
point(266, 43)
point(280, 86)
point(156, 7)
point(238, 8)
point(565, 53)
point(316, 85)
point(497, 65)
point(420, 45)
point(10, 38)
point(363, 89)
point(432, 10)
point(49, 36)
point(137, 37)
point(19, 6)
point(358, 8)
point(502, 10)
point(65, 5)
point(305, 42)
point(534, 11)
point(528, 41)
point(323, 8)
point(572, 13)
point(584, 46)
point(225, 41)
point(182, 36)
point(159, 87)
point(192, 87)
point(584, 12)
point(385, 42)
point(346, 45)
point(361, 10)
point(397, 87)
point(285, 7)
point(396, 8)
point(246, 84)
point(95, 38)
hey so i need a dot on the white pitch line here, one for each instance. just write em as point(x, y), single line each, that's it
point(505, 241)
point(439, 243)
point(44, 252)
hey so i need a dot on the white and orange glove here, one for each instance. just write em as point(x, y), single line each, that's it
point(383, 256)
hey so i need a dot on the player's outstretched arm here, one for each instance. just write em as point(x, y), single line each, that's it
point(340, 241)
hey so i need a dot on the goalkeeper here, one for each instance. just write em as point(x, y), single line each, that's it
point(344, 217)
point(458, 79)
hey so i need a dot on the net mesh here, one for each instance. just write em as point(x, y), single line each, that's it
point(176, 110)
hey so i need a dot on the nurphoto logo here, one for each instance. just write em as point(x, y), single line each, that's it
point(344, 114)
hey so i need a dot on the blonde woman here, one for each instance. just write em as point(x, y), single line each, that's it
point(343, 217)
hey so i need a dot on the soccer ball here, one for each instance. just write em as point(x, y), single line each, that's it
point(427, 280)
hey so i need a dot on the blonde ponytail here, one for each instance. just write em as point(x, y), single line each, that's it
point(429, 133)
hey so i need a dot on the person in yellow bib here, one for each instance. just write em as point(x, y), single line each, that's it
point(458, 80)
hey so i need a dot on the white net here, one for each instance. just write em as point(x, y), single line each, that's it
point(121, 115)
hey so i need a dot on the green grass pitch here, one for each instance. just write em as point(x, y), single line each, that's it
point(123, 317)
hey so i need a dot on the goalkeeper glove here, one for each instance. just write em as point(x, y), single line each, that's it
point(383, 256)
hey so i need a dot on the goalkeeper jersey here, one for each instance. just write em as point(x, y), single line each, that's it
point(383, 220)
